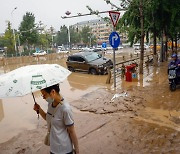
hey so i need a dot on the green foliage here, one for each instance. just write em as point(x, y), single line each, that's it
point(86, 34)
point(27, 30)
point(44, 40)
point(159, 15)
point(62, 36)
point(75, 36)
point(8, 39)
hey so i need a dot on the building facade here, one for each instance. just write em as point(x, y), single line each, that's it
point(99, 29)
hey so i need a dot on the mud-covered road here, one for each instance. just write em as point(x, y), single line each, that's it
point(142, 117)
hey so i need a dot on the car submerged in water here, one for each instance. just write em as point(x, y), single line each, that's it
point(90, 62)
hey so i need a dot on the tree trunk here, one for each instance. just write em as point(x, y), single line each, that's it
point(166, 48)
point(162, 48)
point(172, 44)
point(154, 42)
point(176, 44)
point(142, 37)
point(154, 47)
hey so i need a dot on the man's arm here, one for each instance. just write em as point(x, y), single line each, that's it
point(72, 133)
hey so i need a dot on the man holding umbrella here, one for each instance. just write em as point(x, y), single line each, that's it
point(45, 77)
point(60, 122)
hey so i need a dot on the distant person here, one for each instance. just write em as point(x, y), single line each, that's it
point(176, 62)
point(62, 132)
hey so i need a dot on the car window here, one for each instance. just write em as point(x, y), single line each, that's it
point(92, 57)
point(80, 59)
point(72, 58)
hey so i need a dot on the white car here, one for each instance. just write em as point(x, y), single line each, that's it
point(120, 47)
point(40, 53)
point(137, 46)
point(62, 51)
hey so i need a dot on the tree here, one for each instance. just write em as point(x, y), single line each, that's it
point(62, 36)
point(75, 36)
point(9, 38)
point(44, 40)
point(28, 30)
point(135, 16)
point(160, 17)
point(86, 34)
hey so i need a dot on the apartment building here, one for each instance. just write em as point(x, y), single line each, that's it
point(100, 29)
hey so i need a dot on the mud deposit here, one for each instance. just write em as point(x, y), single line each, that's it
point(135, 120)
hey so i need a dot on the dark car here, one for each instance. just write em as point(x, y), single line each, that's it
point(88, 61)
point(1, 49)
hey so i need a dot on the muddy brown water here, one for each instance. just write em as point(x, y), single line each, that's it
point(16, 114)
point(154, 125)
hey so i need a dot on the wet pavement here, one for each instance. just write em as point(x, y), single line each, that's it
point(138, 117)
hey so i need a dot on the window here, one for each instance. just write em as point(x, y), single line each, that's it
point(72, 59)
point(79, 59)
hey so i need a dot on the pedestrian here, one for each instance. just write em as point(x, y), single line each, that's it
point(59, 117)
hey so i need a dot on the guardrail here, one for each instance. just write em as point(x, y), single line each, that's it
point(121, 66)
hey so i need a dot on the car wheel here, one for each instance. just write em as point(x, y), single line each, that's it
point(71, 69)
point(172, 87)
point(93, 71)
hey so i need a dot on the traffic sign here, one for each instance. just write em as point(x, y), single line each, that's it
point(114, 39)
point(104, 45)
point(114, 17)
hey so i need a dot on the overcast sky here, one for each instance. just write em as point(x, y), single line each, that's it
point(48, 11)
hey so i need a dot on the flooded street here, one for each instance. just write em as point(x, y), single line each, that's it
point(17, 114)
point(137, 117)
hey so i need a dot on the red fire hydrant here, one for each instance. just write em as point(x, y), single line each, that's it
point(129, 70)
point(128, 73)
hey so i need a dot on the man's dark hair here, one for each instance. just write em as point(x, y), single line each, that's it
point(55, 87)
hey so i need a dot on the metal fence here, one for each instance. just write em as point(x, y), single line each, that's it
point(128, 60)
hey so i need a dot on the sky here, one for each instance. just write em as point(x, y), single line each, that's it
point(49, 12)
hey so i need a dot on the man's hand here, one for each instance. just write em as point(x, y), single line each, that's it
point(36, 107)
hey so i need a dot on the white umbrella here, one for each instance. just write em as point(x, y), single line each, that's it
point(31, 78)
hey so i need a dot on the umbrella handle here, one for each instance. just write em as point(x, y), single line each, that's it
point(35, 103)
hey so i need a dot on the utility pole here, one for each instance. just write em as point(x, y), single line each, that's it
point(69, 35)
point(15, 48)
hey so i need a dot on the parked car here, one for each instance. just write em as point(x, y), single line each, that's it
point(137, 46)
point(96, 50)
point(40, 53)
point(62, 51)
point(1, 49)
point(120, 47)
point(90, 62)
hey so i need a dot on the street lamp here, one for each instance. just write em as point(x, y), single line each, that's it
point(15, 48)
point(69, 37)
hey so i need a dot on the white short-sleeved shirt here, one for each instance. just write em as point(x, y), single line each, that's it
point(60, 142)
